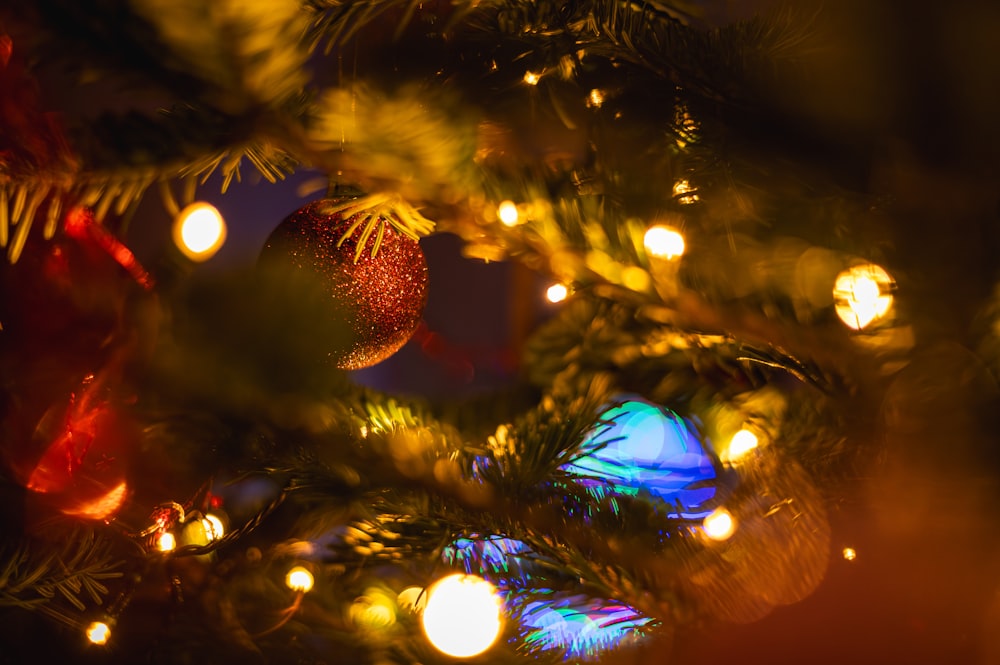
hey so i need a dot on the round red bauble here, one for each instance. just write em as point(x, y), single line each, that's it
point(380, 296)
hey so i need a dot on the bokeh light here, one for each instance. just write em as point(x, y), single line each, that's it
point(850, 554)
point(167, 542)
point(98, 632)
point(531, 78)
point(862, 294)
point(664, 242)
point(507, 212)
point(463, 615)
point(742, 443)
point(556, 293)
point(299, 579)
point(719, 525)
point(214, 529)
point(199, 231)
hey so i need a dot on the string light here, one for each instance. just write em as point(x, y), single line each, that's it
point(684, 192)
point(199, 231)
point(556, 293)
point(166, 542)
point(663, 242)
point(531, 78)
point(742, 443)
point(98, 633)
point(862, 294)
point(507, 212)
point(462, 617)
point(850, 554)
point(214, 528)
point(719, 524)
point(596, 98)
point(299, 579)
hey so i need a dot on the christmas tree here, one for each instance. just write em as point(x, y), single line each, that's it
point(385, 331)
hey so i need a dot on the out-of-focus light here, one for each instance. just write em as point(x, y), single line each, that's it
point(663, 242)
point(374, 610)
point(684, 192)
point(101, 507)
point(719, 525)
point(862, 294)
point(214, 528)
point(531, 78)
point(462, 617)
point(199, 231)
point(742, 442)
point(299, 579)
point(166, 542)
point(412, 597)
point(507, 212)
point(556, 293)
point(98, 632)
point(850, 554)
point(596, 98)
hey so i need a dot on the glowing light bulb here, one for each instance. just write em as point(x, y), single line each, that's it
point(199, 231)
point(214, 528)
point(850, 554)
point(462, 617)
point(507, 212)
point(663, 242)
point(742, 442)
point(531, 78)
point(166, 542)
point(683, 191)
point(719, 524)
point(98, 632)
point(556, 293)
point(862, 294)
point(299, 579)
point(596, 98)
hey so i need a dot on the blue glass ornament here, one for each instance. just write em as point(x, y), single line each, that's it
point(580, 626)
point(637, 446)
point(499, 559)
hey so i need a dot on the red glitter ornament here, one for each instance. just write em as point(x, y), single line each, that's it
point(380, 293)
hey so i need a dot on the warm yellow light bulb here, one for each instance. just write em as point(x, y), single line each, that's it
point(462, 617)
point(742, 442)
point(664, 242)
point(719, 524)
point(507, 212)
point(166, 542)
point(556, 293)
point(596, 98)
point(299, 579)
point(214, 528)
point(98, 632)
point(862, 294)
point(531, 78)
point(199, 231)
point(850, 554)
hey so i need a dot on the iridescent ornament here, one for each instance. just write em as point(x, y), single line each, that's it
point(377, 280)
point(640, 447)
point(577, 625)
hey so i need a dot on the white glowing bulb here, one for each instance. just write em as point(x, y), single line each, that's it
point(850, 554)
point(299, 579)
point(663, 242)
point(742, 442)
point(166, 542)
point(213, 527)
point(199, 231)
point(462, 617)
point(556, 293)
point(719, 524)
point(507, 212)
point(98, 632)
point(862, 295)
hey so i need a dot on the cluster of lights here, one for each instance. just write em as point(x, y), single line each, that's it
point(862, 295)
point(199, 231)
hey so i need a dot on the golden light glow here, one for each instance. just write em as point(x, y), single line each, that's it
point(214, 528)
point(98, 632)
point(373, 610)
point(299, 579)
point(556, 293)
point(850, 554)
point(663, 242)
point(166, 542)
point(100, 507)
point(507, 212)
point(463, 615)
point(862, 294)
point(742, 442)
point(596, 98)
point(531, 78)
point(684, 192)
point(412, 597)
point(719, 524)
point(199, 231)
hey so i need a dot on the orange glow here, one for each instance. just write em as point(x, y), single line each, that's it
point(98, 633)
point(102, 507)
